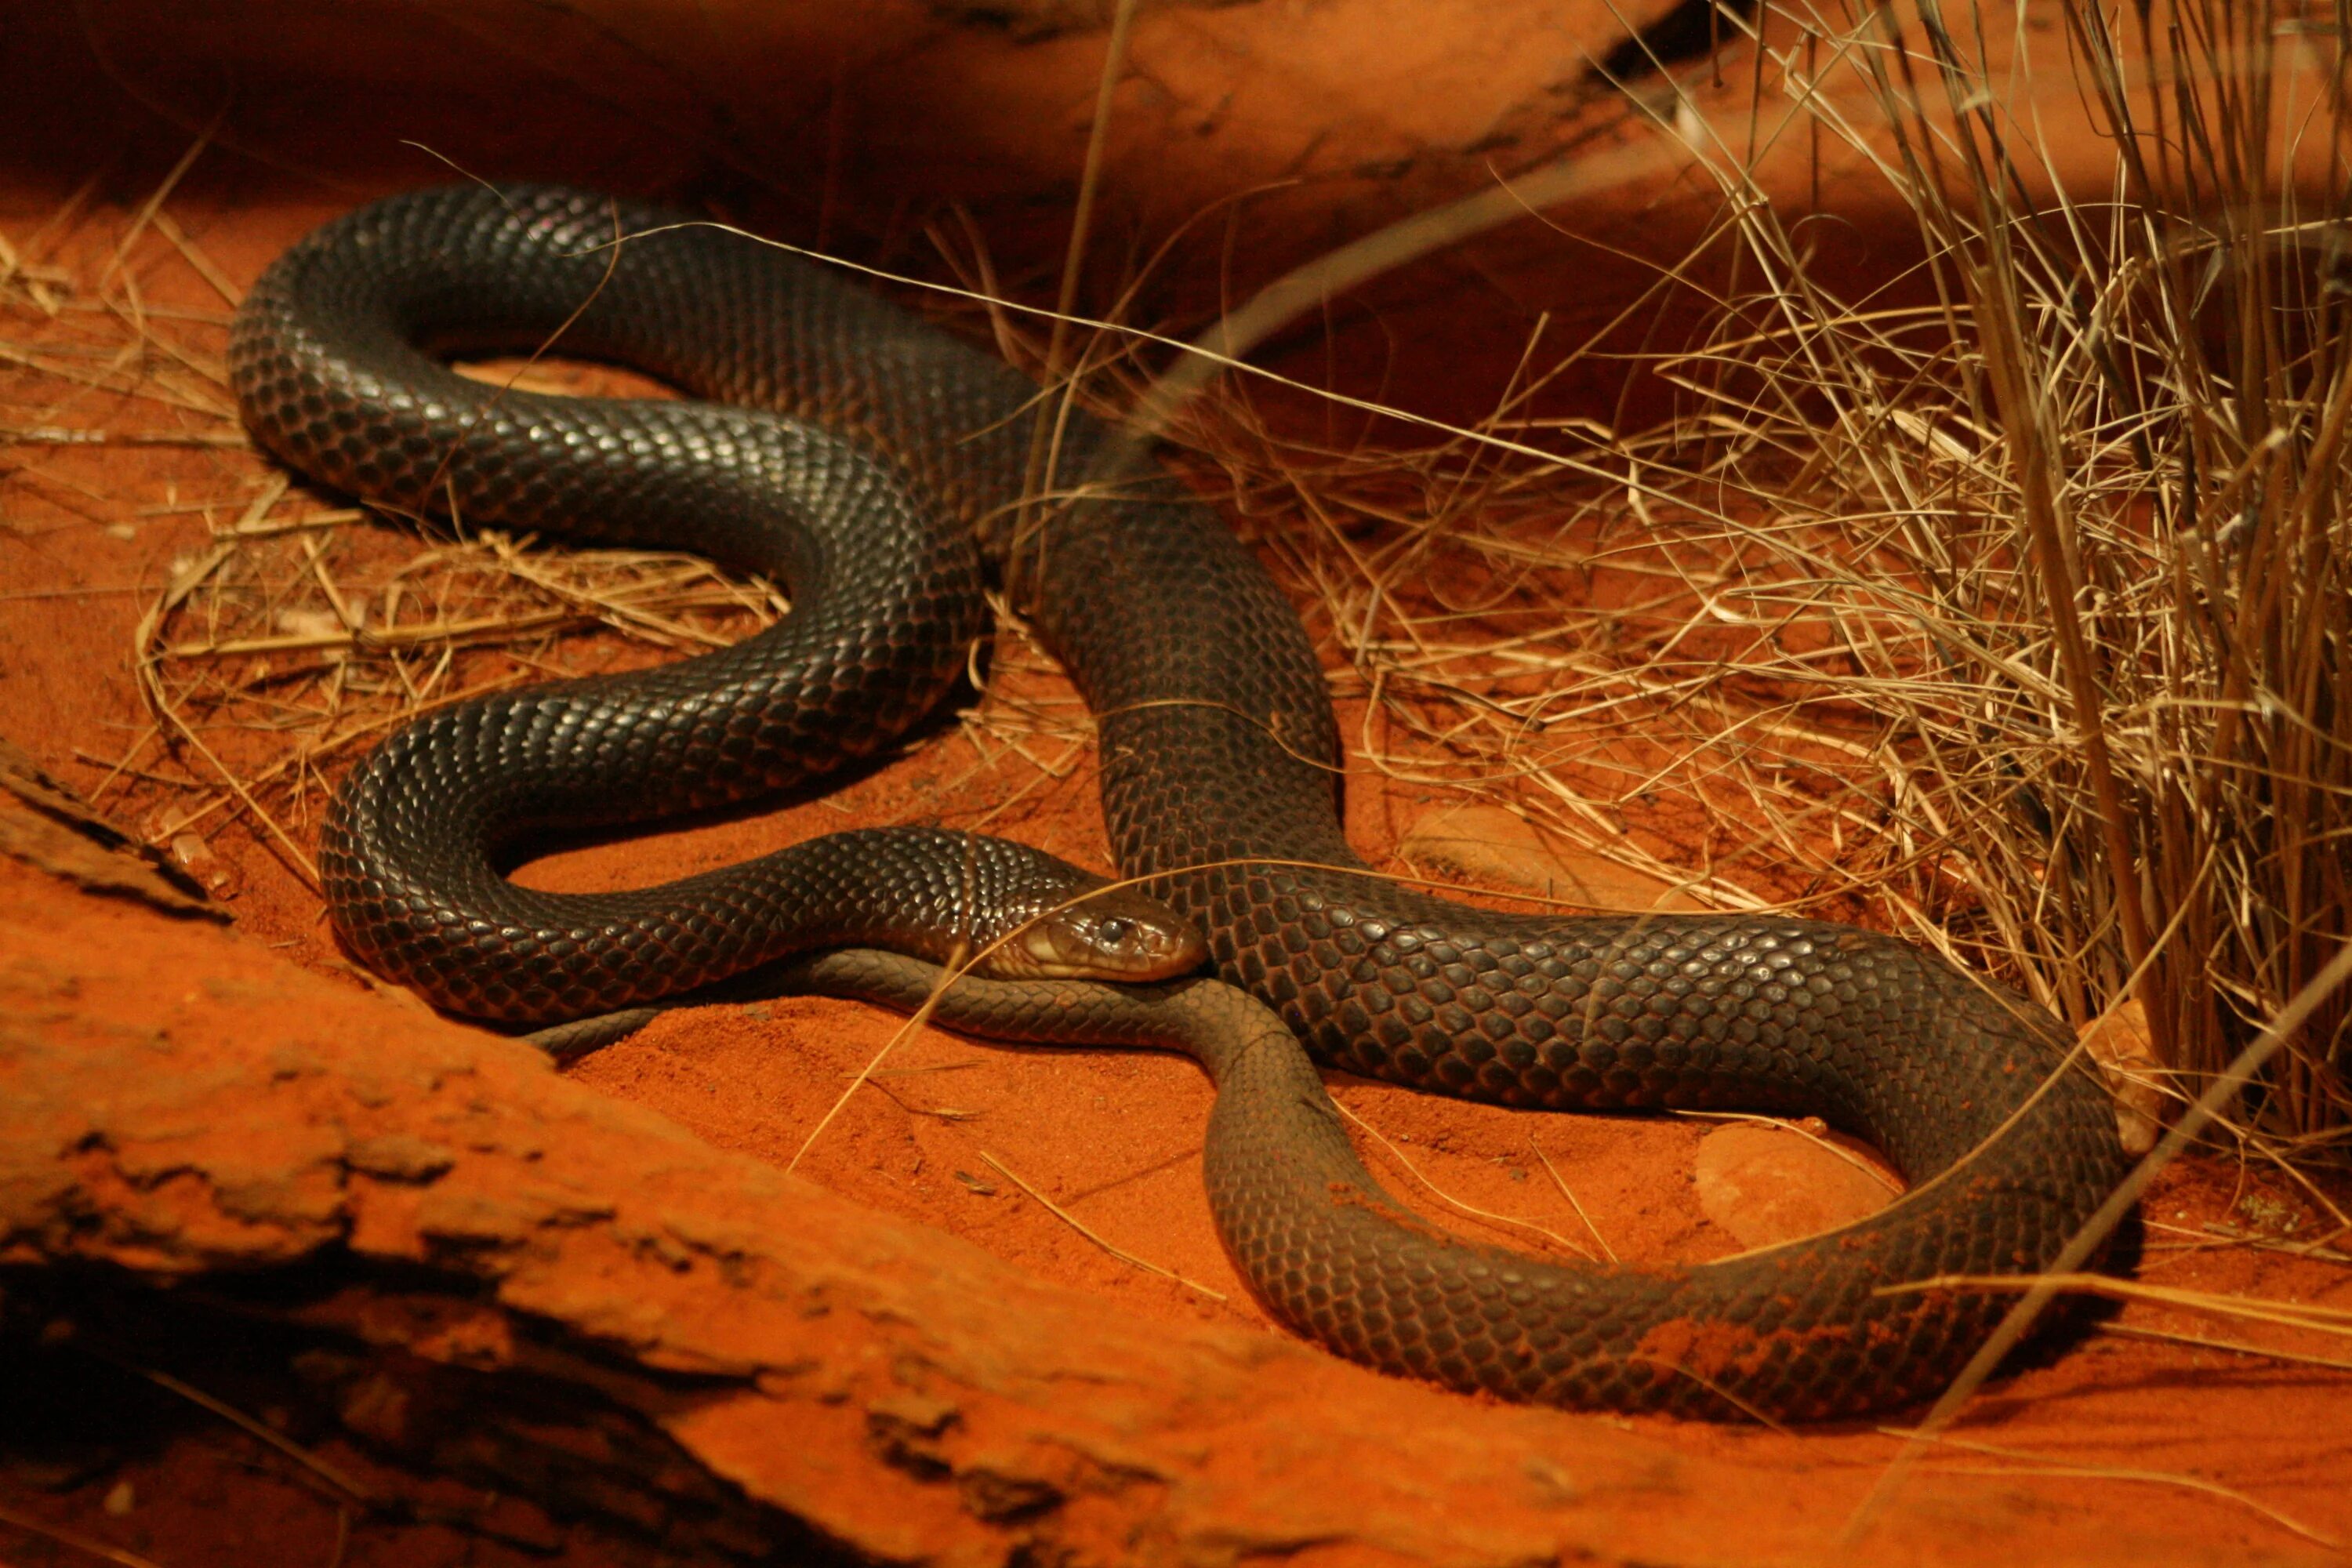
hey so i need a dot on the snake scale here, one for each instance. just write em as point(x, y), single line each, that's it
point(821, 403)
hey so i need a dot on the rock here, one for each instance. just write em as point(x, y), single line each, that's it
point(45, 824)
point(2120, 1043)
point(1768, 1184)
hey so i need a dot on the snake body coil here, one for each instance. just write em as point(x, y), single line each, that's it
point(1218, 749)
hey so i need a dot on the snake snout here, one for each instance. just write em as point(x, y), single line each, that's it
point(1115, 934)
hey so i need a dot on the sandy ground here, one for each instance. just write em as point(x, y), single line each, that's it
point(2232, 1457)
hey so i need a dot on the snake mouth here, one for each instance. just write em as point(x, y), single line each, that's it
point(1114, 934)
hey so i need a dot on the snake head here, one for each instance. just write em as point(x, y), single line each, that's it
point(1100, 933)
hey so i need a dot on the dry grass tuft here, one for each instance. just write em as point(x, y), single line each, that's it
point(297, 643)
point(2011, 608)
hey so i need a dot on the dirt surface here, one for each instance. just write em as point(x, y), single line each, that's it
point(936, 1175)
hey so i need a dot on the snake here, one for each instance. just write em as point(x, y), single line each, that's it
point(884, 471)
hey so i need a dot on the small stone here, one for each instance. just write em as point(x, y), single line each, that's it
point(2120, 1043)
point(1767, 1186)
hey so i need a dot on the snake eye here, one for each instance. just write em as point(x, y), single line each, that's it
point(1135, 940)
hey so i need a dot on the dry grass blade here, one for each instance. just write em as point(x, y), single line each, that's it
point(1552, 1171)
point(2040, 1465)
point(1074, 1223)
point(1450, 1201)
point(2248, 1309)
point(2235, 1347)
point(89, 1545)
point(958, 962)
point(259, 1431)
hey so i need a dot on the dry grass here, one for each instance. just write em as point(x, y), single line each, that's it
point(2012, 609)
point(294, 644)
point(300, 632)
point(2149, 603)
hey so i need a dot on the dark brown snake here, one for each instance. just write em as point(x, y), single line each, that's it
point(1219, 767)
